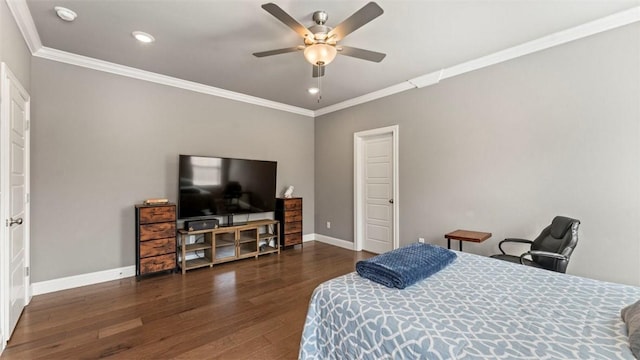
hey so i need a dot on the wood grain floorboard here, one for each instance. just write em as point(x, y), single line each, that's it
point(248, 309)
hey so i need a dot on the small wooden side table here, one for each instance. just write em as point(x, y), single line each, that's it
point(466, 235)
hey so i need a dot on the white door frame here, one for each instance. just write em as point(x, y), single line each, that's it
point(358, 181)
point(6, 79)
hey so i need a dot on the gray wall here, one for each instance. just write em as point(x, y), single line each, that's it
point(13, 49)
point(506, 148)
point(102, 143)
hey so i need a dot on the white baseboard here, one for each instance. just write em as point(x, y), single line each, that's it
point(44, 287)
point(335, 242)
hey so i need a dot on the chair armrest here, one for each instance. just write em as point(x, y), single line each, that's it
point(543, 253)
point(513, 240)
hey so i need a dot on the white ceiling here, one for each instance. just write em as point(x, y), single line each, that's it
point(211, 42)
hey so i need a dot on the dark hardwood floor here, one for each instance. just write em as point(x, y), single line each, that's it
point(248, 309)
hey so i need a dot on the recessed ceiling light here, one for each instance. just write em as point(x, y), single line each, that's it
point(143, 37)
point(65, 14)
point(313, 90)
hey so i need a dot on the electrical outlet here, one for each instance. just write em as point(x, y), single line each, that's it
point(421, 240)
point(328, 224)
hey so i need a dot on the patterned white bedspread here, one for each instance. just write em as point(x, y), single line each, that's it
point(476, 308)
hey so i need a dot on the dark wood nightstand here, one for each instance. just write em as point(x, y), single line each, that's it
point(466, 235)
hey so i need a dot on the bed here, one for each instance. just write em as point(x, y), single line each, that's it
point(475, 308)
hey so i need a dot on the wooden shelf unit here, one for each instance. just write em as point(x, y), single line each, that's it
point(229, 243)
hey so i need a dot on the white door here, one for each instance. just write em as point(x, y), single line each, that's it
point(378, 194)
point(376, 191)
point(15, 160)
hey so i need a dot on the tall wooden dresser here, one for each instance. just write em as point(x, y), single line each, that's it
point(155, 238)
point(289, 213)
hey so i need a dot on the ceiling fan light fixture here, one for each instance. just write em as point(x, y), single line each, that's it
point(320, 54)
point(313, 90)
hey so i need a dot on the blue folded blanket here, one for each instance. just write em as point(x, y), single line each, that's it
point(406, 265)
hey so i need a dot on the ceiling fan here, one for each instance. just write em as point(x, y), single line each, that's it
point(321, 41)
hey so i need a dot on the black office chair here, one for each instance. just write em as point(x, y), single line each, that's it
point(551, 250)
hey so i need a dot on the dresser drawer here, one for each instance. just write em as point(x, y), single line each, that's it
point(293, 215)
point(157, 231)
point(293, 227)
point(157, 263)
point(293, 204)
point(157, 247)
point(157, 214)
point(292, 239)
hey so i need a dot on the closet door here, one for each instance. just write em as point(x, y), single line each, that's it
point(14, 179)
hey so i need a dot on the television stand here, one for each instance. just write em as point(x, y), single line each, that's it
point(255, 238)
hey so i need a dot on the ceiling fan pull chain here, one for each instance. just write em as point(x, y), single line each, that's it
point(319, 85)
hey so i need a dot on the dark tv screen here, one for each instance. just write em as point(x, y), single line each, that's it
point(214, 186)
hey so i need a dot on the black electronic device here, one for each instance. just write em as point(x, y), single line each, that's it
point(204, 224)
point(215, 187)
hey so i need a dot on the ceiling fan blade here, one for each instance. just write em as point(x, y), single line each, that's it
point(355, 21)
point(318, 71)
point(276, 51)
point(361, 53)
point(281, 15)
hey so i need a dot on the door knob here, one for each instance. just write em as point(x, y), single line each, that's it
point(390, 201)
point(12, 221)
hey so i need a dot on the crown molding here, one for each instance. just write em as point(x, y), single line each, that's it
point(428, 79)
point(561, 37)
point(27, 27)
point(394, 89)
point(20, 11)
point(109, 67)
point(22, 15)
point(578, 32)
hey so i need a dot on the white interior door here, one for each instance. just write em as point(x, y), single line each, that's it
point(14, 132)
point(378, 194)
point(376, 174)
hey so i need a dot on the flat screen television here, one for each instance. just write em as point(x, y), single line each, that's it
point(215, 186)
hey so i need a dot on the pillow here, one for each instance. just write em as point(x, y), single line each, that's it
point(631, 317)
